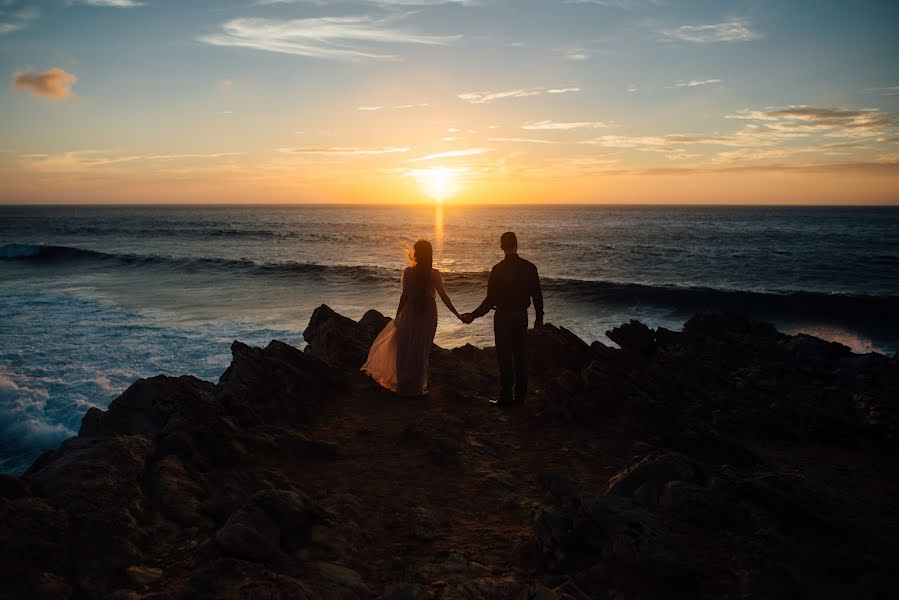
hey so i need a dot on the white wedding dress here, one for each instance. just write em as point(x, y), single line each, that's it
point(398, 358)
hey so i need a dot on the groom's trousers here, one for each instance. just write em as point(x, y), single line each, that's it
point(510, 329)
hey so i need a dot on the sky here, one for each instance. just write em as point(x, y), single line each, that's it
point(462, 101)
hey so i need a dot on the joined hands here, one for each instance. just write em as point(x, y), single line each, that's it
point(466, 318)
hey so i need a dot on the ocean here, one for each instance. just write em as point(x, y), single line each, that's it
point(92, 298)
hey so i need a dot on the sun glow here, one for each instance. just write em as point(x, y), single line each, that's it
point(438, 183)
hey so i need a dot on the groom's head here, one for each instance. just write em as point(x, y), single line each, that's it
point(509, 243)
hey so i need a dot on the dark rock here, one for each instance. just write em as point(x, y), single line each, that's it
point(339, 341)
point(249, 534)
point(692, 503)
point(372, 322)
point(278, 382)
point(338, 582)
point(554, 348)
point(268, 523)
point(147, 405)
point(634, 337)
point(559, 485)
point(444, 452)
point(233, 578)
point(651, 474)
point(13, 487)
point(177, 493)
point(424, 525)
point(407, 591)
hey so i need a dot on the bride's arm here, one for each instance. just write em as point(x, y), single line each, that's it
point(438, 285)
point(402, 303)
point(403, 297)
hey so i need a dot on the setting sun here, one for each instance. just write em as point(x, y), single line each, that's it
point(438, 183)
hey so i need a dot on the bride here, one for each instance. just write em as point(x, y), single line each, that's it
point(398, 358)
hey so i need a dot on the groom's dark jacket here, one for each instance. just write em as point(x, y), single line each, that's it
point(513, 283)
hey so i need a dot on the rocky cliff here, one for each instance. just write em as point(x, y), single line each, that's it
point(726, 460)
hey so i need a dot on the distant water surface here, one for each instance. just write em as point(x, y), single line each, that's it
point(93, 297)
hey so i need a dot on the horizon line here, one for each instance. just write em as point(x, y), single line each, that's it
point(892, 204)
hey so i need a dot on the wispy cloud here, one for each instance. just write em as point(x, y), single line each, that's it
point(352, 38)
point(656, 143)
point(623, 4)
point(384, 3)
point(16, 20)
point(886, 91)
point(555, 125)
point(485, 97)
point(566, 90)
point(109, 3)
point(521, 140)
point(345, 151)
point(395, 107)
point(695, 83)
point(80, 160)
point(831, 121)
point(729, 31)
point(575, 54)
point(53, 83)
point(888, 165)
point(453, 154)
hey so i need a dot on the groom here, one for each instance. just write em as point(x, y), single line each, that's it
point(513, 283)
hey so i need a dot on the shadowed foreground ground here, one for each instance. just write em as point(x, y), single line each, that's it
point(724, 461)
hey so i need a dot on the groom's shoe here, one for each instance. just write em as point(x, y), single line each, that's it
point(502, 402)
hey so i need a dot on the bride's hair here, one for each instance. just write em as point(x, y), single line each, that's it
point(422, 258)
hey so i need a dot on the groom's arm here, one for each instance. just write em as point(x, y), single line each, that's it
point(490, 301)
point(537, 296)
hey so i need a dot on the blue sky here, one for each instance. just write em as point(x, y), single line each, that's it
point(120, 100)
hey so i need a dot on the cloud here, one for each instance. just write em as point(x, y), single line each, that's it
point(16, 20)
point(575, 54)
point(696, 83)
point(730, 31)
point(632, 88)
point(567, 90)
point(554, 125)
point(485, 97)
point(382, 3)
point(521, 140)
point(884, 166)
point(345, 151)
point(622, 4)
point(80, 160)
point(672, 144)
point(395, 107)
point(352, 38)
point(109, 3)
point(53, 83)
point(835, 122)
point(886, 91)
point(453, 154)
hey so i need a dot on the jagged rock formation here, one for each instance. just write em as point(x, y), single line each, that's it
point(726, 460)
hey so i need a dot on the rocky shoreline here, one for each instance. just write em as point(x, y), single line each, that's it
point(727, 460)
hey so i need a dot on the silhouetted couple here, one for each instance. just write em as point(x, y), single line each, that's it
point(398, 358)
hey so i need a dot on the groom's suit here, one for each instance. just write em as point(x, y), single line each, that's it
point(512, 285)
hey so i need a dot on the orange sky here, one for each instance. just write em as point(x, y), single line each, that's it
point(294, 101)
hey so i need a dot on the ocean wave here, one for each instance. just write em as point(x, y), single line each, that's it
point(781, 303)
